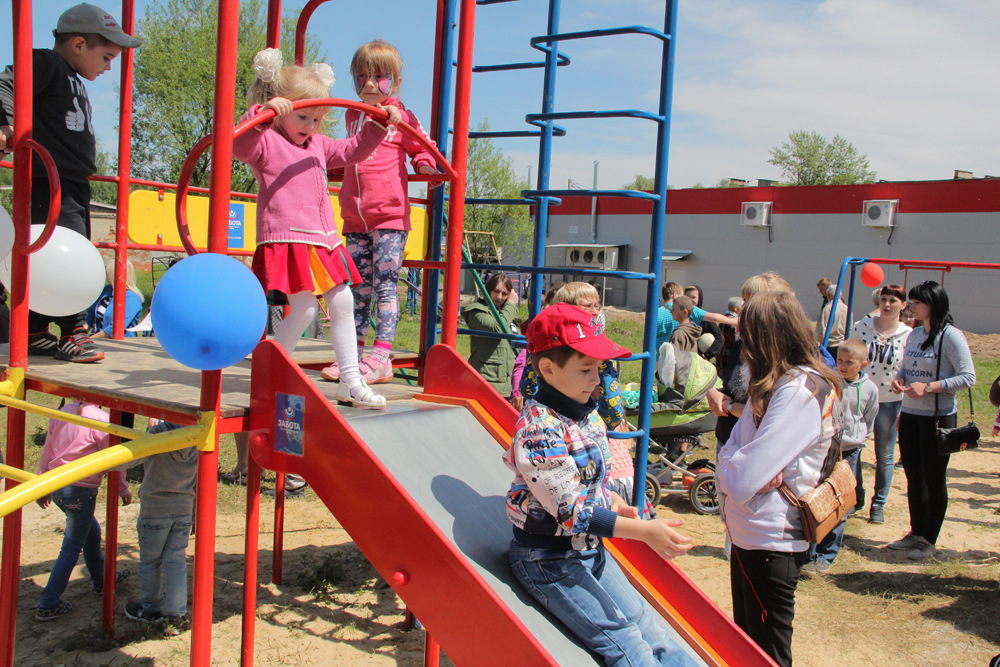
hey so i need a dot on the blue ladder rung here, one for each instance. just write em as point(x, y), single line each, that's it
point(557, 130)
point(492, 2)
point(607, 32)
point(492, 334)
point(630, 194)
point(517, 66)
point(621, 113)
point(568, 270)
point(508, 135)
point(619, 435)
point(638, 356)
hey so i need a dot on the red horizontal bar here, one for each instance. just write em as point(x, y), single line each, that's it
point(423, 264)
point(931, 264)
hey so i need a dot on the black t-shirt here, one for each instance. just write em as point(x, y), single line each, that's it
point(61, 118)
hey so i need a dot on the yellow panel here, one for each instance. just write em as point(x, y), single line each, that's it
point(416, 240)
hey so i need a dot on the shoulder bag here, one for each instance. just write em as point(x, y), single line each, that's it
point(960, 438)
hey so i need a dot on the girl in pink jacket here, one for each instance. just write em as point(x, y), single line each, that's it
point(376, 210)
point(299, 251)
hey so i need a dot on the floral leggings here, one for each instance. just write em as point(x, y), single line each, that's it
point(379, 256)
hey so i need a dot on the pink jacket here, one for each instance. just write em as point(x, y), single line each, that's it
point(67, 442)
point(374, 194)
point(293, 202)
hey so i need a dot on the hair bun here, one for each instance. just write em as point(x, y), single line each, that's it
point(267, 64)
point(325, 73)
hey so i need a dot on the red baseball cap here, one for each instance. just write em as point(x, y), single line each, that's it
point(565, 324)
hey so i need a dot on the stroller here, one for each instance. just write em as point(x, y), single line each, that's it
point(679, 417)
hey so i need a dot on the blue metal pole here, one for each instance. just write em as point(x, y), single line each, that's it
point(655, 250)
point(850, 302)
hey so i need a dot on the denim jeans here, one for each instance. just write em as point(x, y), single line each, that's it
point(83, 533)
point(885, 448)
point(587, 591)
point(163, 544)
point(829, 546)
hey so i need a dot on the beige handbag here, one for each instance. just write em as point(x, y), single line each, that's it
point(822, 508)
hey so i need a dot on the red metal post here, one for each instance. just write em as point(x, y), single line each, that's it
point(432, 652)
point(10, 560)
point(251, 546)
point(456, 202)
point(124, 171)
point(274, 24)
point(204, 544)
point(279, 528)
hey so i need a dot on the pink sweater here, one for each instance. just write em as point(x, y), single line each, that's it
point(293, 202)
point(67, 442)
point(374, 194)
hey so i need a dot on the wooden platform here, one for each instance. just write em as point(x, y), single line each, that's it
point(138, 370)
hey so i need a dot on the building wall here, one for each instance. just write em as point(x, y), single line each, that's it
point(813, 230)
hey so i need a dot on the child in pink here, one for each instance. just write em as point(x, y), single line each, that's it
point(299, 251)
point(66, 443)
point(376, 209)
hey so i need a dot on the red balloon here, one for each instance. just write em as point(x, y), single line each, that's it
point(872, 275)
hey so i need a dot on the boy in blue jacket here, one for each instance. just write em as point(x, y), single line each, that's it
point(562, 505)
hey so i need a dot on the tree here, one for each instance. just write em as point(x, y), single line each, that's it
point(729, 183)
point(175, 83)
point(639, 183)
point(490, 175)
point(809, 159)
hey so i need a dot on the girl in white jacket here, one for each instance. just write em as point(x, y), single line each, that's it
point(787, 433)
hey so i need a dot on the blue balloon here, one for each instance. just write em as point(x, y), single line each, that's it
point(209, 311)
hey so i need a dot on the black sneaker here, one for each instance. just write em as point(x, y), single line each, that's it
point(876, 515)
point(42, 344)
point(120, 576)
point(64, 607)
point(174, 625)
point(78, 349)
point(134, 611)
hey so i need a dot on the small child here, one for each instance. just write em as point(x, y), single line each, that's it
point(100, 316)
point(87, 40)
point(860, 405)
point(493, 358)
point(685, 336)
point(166, 508)
point(665, 323)
point(521, 385)
point(375, 205)
point(562, 505)
point(66, 442)
point(299, 251)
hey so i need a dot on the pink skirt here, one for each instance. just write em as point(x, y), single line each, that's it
point(300, 267)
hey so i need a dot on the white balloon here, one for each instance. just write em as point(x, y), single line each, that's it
point(66, 276)
point(6, 232)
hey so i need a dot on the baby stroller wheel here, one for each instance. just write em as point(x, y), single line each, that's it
point(703, 494)
point(652, 490)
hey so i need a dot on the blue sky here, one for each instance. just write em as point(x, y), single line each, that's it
point(912, 83)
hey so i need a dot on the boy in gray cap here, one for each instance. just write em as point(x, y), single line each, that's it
point(87, 40)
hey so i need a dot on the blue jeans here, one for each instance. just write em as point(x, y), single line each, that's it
point(587, 591)
point(829, 546)
point(83, 533)
point(885, 447)
point(163, 544)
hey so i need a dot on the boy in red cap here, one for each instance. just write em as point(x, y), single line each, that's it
point(561, 502)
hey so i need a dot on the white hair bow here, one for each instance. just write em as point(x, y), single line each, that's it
point(325, 73)
point(267, 64)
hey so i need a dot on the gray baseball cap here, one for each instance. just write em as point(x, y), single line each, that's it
point(89, 19)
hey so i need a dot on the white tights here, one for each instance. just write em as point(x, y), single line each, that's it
point(302, 310)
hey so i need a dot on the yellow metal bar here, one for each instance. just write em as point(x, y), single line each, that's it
point(52, 413)
point(146, 445)
point(16, 474)
point(14, 384)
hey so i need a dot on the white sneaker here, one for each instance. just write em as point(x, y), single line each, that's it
point(924, 549)
point(359, 394)
point(909, 542)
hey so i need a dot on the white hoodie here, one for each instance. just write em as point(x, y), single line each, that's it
point(885, 355)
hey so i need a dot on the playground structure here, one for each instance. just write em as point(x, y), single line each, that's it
point(452, 573)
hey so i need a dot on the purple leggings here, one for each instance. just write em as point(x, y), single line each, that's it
point(379, 256)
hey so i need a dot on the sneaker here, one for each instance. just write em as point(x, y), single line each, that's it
point(875, 515)
point(78, 349)
point(924, 549)
point(134, 611)
point(120, 576)
point(359, 394)
point(60, 609)
point(290, 492)
point(374, 370)
point(42, 344)
point(174, 625)
point(814, 568)
point(910, 541)
point(331, 372)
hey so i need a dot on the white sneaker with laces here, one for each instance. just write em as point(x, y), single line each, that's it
point(909, 542)
point(359, 394)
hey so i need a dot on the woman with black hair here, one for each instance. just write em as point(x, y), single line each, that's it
point(937, 364)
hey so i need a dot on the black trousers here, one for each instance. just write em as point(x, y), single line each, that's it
point(926, 472)
point(74, 213)
point(763, 584)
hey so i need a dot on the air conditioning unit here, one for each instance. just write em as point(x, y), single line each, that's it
point(756, 214)
point(880, 213)
point(592, 257)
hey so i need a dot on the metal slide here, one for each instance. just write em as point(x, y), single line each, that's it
point(420, 487)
